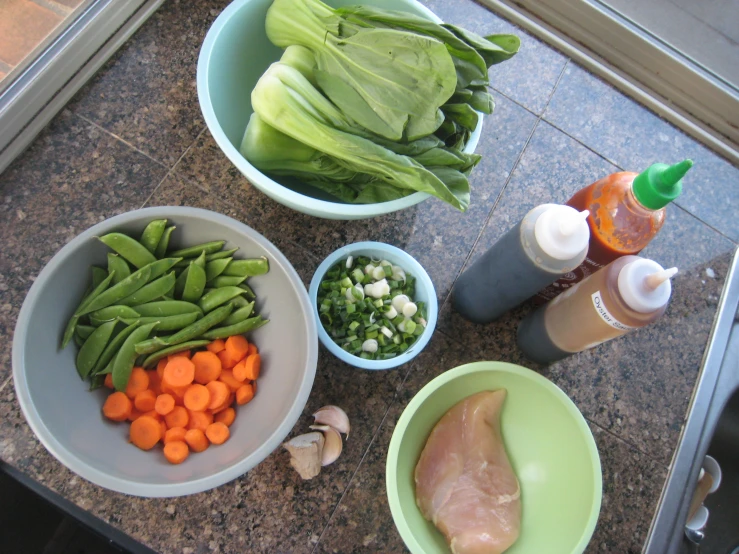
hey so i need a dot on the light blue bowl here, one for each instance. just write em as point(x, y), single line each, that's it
point(236, 52)
point(425, 292)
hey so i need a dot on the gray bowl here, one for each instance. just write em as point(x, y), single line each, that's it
point(67, 417)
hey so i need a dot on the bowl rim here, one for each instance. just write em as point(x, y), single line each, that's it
point(413, 267)
point(391, 481)
point(66, 456)
point(290, 198)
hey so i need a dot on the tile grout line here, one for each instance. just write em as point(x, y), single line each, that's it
point(629, 443)
point(694, 216)
point(116, 137)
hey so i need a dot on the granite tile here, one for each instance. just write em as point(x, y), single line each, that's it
point(438, 235)
point(530, 76)
point(175, 190)
point(146, 93)
point(633, 138)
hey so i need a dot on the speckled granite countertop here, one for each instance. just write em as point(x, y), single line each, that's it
point(134, 136)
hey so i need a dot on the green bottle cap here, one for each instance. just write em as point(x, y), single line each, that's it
point(660, 184)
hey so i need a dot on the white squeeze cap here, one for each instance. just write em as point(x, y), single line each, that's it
point(644, 285)
point(562, 232)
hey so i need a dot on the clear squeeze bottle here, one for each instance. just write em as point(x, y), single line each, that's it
point(550, 241)
point(626, 210)
point(629, 293)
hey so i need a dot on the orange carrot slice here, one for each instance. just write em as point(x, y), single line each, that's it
point(117, 407)
point(176, 452)
point(196, 440)
point(207, 367)
point(217, 433)
point(179, 372)
point(226, 417)
point(145, 432)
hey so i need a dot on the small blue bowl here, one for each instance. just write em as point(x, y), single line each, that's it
point(425, 292)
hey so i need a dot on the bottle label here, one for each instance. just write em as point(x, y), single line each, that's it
point(605, 315)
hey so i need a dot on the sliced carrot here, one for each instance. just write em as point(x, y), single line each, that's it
point(227, 377)
point(207, 367)
point(239, 371)
point(217, 433)
point(219, 392)
point(244, 394)
point(153, 414)
point(164, 404)
point(137, 382)
point(176, 452)
point(183, 354)
point(216, 346)
point(160, 367)
point(199, 420)
point(253, 349)
point(145, 400)
point(179, 372)
point(145, 432)
point(237, 346)
point(174, 434)
point(229, 401)
point(253, 366)
point(135, 414)
point(163, 425)
point(197, 398)
point(227, 416)
point(178, 417)
point(109, 381)
point(155, 381)
point(196, 440)
point(117, 407)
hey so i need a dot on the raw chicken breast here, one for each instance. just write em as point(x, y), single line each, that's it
point(464, 482)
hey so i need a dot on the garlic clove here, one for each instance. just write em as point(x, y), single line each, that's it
point(335, 417)
point(332, 446)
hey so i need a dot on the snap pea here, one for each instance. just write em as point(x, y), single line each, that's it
point(160, 267)
point(201, 325)
point(239, 302)
point(179, 288)
point(152, 234)
point(150, 291)
point(112, 348)
point(78, 340)
point(168, 297)
point(120, 266)
point(194, 251)
point(247, 291)
point(93, 347)
point(126, 356)
point(226, 281)
point(239, 315)
point(167, 323)
point(84, 331)
point(131, 249)
point(98, 275)
point(150, 345)
point(215, 268)
point(165, 308)
point(247, 268)
point(216, 297)
point(200, 260)
point(161, 248)
point(129, 285)
point(96, 381)
point(236, 329)
point(194, 283)
point(112, 312)
point(152, 359)
point(222, 254)
point(97, 291)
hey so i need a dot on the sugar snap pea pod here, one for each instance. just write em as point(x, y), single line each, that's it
point(220, 255)
point(96, 381)
point(201, 325)
point(123, 361)
point(150, 345)
point(115, 343)
point(239, 315)
point(247, 268)
point(84, 331)
point(161, 249)
point(114, 294)
point(226, 281)
point(152, 234)
point(239, 302)
point(164, 308)
point(167, 323)
point(150, 291)
point(131, 249)
point(97, 291)
point(112, 312)
point(98, 275)
point(248, 292)
point(93, 347)
point(215, 268)
point(185, 262)
point(194, 251)
point(194, 284)
point(216, 297)
point(120, 266)
point(160, 267)
point(152, 359)
point(236, 329)
point(179, 285)
point(78, 340)
point(200, 260)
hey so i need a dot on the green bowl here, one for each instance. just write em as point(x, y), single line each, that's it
point(549, 444)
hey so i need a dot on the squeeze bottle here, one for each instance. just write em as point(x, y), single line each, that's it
point(550, 241)
point(626, 210)
point(629, 293)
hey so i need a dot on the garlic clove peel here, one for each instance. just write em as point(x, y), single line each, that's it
point(332, 446)
point(335, 417)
